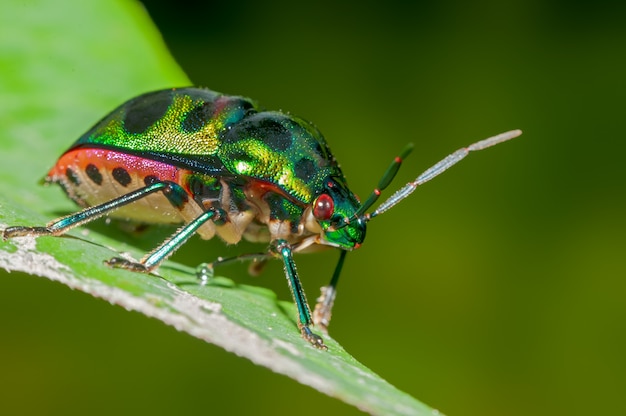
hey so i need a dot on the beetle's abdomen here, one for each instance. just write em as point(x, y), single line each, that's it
point(92, 176)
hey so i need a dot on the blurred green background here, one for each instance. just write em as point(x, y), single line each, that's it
point(497, 289)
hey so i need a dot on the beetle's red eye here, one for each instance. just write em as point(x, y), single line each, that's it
point(323, 207)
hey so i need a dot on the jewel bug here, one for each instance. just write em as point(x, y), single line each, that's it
point(222, 166)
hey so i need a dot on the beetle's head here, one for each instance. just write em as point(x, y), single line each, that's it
point(331, 210)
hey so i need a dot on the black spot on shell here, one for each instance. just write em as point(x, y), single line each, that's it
point(71, 176)
point(264, 127)
point(304, 169)
point(144, 111)
point(196, 119)
point(276, 135)
point(121, 176)
point(94, 174)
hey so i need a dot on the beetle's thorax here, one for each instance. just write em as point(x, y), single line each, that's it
point(253, 210)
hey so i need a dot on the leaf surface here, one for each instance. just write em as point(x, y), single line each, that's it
point(70, 65)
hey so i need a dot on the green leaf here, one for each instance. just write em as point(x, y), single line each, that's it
point(65, 64)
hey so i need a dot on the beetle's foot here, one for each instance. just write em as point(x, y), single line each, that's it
point(20, 231)
point(324, 308)
point(314, 339)
point(120, 263)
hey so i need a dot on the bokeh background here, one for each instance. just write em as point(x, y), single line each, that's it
point(497, 289)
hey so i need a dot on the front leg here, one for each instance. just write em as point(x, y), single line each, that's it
point(283, 249)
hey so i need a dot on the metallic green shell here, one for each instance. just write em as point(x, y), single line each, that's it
point(213, 133)
point(230, 138)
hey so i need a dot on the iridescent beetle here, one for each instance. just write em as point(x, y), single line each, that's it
point(220, 165)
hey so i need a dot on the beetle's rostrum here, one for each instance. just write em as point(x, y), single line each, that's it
point(222, 166)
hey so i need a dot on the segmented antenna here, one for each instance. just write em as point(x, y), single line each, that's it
point(437, 169)
point(386, 179)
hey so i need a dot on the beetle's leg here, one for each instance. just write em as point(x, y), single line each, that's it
point(153, 259)
point(64, 224)
point(283, 249)
point(324, 306)
point(149, 262)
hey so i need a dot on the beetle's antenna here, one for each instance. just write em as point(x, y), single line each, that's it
point(433, 171)
point(388, 176)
